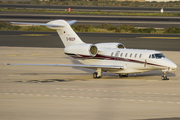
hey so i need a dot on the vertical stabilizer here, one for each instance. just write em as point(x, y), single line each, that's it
point(66, 33)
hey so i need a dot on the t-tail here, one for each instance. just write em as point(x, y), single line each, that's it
point(63, 28)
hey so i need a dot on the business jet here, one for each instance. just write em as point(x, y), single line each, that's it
point(106, 57)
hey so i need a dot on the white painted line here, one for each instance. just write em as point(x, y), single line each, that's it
point(130, 92)
point(96, 98)
point(81, 97)
point(114, 99)
point(170, 102)
point(71, 96)
point(121, 99)
point(105, 98)
point(55, 95)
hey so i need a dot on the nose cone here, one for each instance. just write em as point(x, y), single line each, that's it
point(173, 66)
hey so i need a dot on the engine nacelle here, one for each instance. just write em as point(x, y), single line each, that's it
point(110, 45)
point(81, 50)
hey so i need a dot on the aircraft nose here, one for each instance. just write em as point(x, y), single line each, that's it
point(174, 66)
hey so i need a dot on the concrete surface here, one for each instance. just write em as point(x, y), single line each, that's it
point(59, 93)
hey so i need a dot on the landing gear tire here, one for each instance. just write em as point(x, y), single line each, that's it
point(164, 78)
point(95, 75)
point(120, 75)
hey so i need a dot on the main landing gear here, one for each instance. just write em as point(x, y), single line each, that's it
point(97, 74)
point(164, 77)
point(123, 75)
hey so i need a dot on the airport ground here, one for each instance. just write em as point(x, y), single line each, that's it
point(46, 92)
point(136, 21)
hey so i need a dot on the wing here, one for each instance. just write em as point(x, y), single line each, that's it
point(75, 65)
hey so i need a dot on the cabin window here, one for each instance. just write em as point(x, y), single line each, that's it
point(126, 55)
point(121, 54)
point(131, 55)
point(153, 56)
point(140, 55)
point(149, 56)
point(117, 53)
point(135, 55)
point(112, 54)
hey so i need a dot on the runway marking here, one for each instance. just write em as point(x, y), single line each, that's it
point(14, 55)
point(11, 55)
point(35, 54)
point(35, 35)
point(90, 90)
point(130, 92)
point(160, 37)
point(131, 100)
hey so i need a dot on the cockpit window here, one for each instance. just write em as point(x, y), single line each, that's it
point(159, 56)
point(153, 56)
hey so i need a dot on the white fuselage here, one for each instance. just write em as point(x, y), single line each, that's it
point(133, 60)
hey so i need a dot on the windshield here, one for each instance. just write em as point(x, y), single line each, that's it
point(159, 56)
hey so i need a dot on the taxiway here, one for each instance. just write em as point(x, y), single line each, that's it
point(46, 92)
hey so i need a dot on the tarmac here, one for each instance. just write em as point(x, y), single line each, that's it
point(65, 93)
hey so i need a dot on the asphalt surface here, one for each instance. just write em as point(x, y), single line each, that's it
point(92, 8)
point(165, 42)
point(136, 21)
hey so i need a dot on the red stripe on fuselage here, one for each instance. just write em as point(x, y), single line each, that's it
point(112, 58)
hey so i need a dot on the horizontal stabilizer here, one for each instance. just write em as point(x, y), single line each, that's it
point(44, 24)
point(72, 22)
point(74, 65)
point(51, 24)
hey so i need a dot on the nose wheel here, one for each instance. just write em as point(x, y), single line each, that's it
point(164, 77)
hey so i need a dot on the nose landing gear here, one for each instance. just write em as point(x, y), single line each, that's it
point(164, 77)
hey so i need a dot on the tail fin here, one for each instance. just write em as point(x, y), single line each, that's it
point(66, 33)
